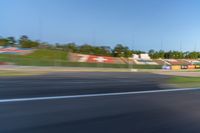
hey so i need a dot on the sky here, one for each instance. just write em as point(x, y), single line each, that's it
point(138, 24)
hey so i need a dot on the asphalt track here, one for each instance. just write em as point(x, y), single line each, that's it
point(92, 102)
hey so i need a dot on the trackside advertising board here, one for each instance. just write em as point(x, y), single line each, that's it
point(191, 66)
point(179, 67)
point(94, 59)
point(99, 59)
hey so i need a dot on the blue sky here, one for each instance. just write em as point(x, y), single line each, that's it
point(139, 24)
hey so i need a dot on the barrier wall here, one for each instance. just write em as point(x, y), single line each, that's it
point(184, 67)
point(197, 66)
point(191, 66)
point(175, 67)
point(181, 67)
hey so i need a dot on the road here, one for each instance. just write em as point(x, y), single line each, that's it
point(92, 102)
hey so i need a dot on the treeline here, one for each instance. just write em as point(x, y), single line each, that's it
point(119, 50)
point(173, 54)
point(24, 42)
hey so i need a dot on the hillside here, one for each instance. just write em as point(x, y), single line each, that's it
point(40, 57)
point(46, 54)
point(47, 57)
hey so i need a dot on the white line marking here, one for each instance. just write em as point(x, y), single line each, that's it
point(93, 95)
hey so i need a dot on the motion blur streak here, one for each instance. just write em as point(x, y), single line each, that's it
point(93, 95)
point(174, 112)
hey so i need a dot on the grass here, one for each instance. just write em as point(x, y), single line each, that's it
point(41, 57)
point(41, 54)
point(46, 57)
point(18, 73)
point(47, 54)
point(185, 81)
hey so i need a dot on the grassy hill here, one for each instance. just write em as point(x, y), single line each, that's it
point(47, 57)
point(41, 57)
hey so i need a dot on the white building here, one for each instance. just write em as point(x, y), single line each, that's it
point(141, 56)
point(135, 56)
point(145, 57)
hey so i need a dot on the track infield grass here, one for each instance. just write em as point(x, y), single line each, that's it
point(185, 82)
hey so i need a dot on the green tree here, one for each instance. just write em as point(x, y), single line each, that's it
point(11, 41)
point(193, 55)
point(70, 47)
point(86, 49)
point(121, 51)
point(3, 42)
point(151, 53)
point(25, 42)
point(105, 50)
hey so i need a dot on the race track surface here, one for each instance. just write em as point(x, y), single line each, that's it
point(147, 112)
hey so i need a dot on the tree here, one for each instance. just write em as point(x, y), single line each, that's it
point(121, 51)
point(4, 42)
point(70, 47)
point(151, 53)
point(86, 49)
point(25, 42)
point(193, 55)
point(11, 41)
point(138, 52)
point(161, 54)
point(105, 50)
